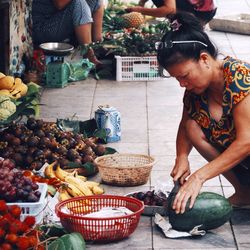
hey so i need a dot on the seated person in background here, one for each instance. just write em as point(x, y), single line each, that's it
point(58, 20)
point(204, 10)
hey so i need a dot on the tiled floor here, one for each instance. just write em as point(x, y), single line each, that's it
point(150, 116)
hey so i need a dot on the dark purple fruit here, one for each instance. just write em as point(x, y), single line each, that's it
point(31, 123)
point(33, 141)
point(100, 150)
point(15, 141)
point(72, 154)
point(44, 142)
point(61, 150)
point(39, 133)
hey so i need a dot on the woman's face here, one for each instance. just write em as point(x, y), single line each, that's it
point(192, 75)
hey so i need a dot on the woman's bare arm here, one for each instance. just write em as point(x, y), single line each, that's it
point(61, 4)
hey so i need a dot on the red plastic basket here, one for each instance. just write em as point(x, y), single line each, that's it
point(71, 214)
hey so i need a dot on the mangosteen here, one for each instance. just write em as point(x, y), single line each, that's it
point(47, 153)
point(44, 142)
point(18, 132)
point(87, 158)
point(15, 141)
point(53, 144)
point(54, 157)
point(24, 138)
point(38, 154)
point(89, 143)
point(39, 124)
point(88, 151)
point(18, 159)
point(21, 149)
point(100, 150)
point(8, 137)
point(29, 159)
point(39, 133)
point(63, 162)
point(61, 150)
point(72, 154)
point(31, 150)
point(78, 137)
point(72, 142)
point(33, 141)
point(31, 123)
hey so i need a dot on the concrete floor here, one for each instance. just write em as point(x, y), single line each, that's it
point(150, 116)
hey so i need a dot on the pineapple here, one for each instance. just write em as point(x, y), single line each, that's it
point(133, 19)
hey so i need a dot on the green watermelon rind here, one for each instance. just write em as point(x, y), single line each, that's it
point(210, 210)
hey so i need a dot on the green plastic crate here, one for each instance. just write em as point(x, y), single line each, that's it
point(57, 75)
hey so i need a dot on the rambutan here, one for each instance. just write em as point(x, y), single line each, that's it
point(15, 211)
point(3, 207)
point(11, 238)
point(23, 243)
point(2, 233)
point(6, 246)
point(30, 221)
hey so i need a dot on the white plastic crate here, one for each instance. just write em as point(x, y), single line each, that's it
point(34, 208)
point(132, 68)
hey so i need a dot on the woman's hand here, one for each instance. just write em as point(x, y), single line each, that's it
point(134, 9)
point(181, 169)
point(189, 190)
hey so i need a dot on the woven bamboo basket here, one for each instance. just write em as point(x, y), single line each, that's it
point(125, 169)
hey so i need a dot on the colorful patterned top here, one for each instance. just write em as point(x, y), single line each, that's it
point(237, 86)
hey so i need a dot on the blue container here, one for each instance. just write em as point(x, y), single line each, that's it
point(110, 119)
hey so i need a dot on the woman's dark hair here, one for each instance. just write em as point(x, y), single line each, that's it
point(188, 28)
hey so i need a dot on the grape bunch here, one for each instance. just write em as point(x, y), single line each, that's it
point(151, 198)
point(14, 187)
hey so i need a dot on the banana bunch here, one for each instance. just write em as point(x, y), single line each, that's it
point(74, 185)
point(12, 87)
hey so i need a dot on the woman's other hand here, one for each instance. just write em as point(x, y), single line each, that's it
point(189, 190)
point(181, 169)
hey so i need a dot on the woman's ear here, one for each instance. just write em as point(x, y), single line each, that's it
point(204, 58)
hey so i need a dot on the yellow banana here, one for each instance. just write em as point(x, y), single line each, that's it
point(91, 184)
point(79, 184)
point(64, 195)
point(62, 174)
point(73, 190)
point(97, 190)
point(81, 177)
point(49, 171)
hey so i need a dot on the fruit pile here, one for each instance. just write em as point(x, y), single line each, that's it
point(32, 144)
point(12, 87)
point(16, 234)
point(14, 187)
point(151, 198)
point(72, 184)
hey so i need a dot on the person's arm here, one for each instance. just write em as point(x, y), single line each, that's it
point(61, 4)
point(168, 8)
point(234, 154)
point(181, 168)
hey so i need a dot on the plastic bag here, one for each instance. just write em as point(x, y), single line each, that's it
point(79, 70)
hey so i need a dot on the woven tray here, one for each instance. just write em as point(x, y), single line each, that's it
point(125, 169)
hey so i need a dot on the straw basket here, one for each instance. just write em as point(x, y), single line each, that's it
point(125, 169)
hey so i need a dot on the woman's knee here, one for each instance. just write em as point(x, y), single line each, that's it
point(194, 131)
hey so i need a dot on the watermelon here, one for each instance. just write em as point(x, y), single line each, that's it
point(210, 210)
